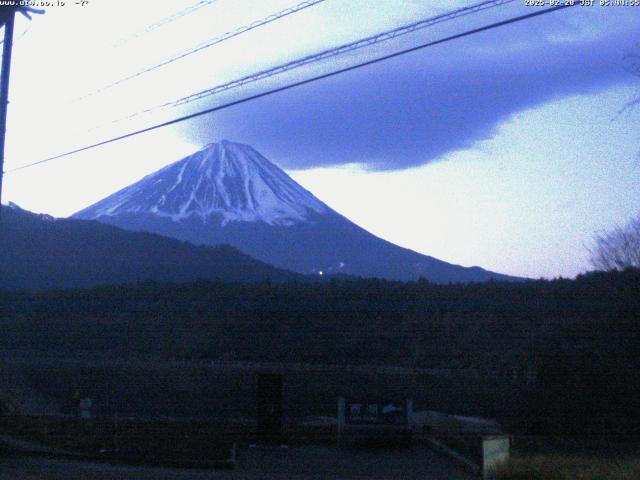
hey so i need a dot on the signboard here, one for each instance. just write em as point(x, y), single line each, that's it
point(375, 413)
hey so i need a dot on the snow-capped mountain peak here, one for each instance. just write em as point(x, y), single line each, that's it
point(227, 193)
point(224, 182)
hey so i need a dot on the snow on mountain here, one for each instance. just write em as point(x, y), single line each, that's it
point(11, 206)
point(224, 182)
point(227, 193)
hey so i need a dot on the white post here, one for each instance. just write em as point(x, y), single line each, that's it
point(410, 414)
point(341, 418)
point(495, 454)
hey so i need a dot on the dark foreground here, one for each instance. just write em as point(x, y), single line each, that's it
point(567, 350)
point(257, 463)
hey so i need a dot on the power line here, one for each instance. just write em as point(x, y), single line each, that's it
point(467, 33)
point(166, 20)
point(214, 41)
point(332, 52)
point(16, 40)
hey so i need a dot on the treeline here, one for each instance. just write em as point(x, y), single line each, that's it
point(45, 252)
point(570, 347)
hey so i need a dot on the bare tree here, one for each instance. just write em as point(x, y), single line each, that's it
point(617, 249)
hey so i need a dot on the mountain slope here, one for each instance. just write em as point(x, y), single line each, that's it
point(49, 252)
point(229, 193)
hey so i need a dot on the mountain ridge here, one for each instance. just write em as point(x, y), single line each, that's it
point(51, 252)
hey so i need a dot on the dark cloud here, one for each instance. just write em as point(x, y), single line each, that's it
point(417, 108)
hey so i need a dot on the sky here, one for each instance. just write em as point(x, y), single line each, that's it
point(505, 149)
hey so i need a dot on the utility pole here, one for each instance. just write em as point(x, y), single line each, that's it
point(7, 46)
point(7, 19)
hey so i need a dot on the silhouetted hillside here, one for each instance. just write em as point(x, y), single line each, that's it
point(42, 251)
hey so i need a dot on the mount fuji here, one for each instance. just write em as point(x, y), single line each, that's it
point(228, 193)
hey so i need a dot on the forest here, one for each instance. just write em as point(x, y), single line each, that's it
point(561, 353)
